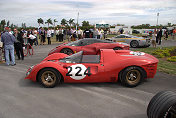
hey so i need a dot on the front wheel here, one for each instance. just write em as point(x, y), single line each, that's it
point(132, 76)
point(134, 44)
point(49, 77)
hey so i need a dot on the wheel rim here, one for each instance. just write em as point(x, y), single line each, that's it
point(48, 78)
point(133, 77)
point(171, 113)
point(134, 44)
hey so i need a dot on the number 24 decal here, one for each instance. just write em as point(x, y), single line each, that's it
point(86, 72)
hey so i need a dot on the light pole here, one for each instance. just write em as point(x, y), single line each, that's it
point(77, 22)
point(157, 19)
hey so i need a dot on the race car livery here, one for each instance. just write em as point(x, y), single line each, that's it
point(123, 65)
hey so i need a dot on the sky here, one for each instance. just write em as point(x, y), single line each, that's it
point(128, 12)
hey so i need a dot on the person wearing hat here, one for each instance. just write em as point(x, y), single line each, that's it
point(8, 42)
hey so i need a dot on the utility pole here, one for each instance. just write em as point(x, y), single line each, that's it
point(157, 19)
point(77, 22)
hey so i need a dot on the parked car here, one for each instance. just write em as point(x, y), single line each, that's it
point(89, 46)
point(133, 41)
point(108, 65)
point(135, 31)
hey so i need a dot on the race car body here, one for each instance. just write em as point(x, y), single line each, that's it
point(107, 66)
point(133, 41)
point(89, 46)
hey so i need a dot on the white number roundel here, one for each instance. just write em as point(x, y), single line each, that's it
point(77, 71)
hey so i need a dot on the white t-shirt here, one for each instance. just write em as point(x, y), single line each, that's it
point(32, 36)
point(49, 33)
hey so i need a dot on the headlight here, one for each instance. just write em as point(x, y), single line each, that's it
point(29, 70)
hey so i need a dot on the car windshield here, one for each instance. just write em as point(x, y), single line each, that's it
point(75, 43)
point(80, 58)
point(75, 58)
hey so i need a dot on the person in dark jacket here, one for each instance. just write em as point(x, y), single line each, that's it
point(159, 35)
point(19, 43)
point(8, 42)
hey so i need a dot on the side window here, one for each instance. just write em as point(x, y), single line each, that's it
point(120, 36)
point(87, 42)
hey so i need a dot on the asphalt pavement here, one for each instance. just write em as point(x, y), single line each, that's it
point(21, 98)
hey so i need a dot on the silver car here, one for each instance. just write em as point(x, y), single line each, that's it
point(134, 41)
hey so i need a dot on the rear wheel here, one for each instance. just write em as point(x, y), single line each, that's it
point(162, 105)
point(134, 44)
point(132, 76)
point(49, 77)
point(67, 51)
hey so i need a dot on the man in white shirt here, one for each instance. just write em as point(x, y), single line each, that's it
point(49, 36)
point(57, 34)
point(80, 33)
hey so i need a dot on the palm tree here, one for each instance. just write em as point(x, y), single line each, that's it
point(49, 21)
point(71, 21)
point(63, 22)
point(54, 23)
point(3, 23)
point(40, 21)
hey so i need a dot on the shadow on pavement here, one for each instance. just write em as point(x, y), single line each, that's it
point(137, 116)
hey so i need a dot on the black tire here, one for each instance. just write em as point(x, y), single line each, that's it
point(53, 77)
point(132, 76)
point(162, 105)
point(134, 44)
point(117, 48)
point(67, 51)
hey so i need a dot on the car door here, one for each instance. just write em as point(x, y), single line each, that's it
point(86, 71)
point(120, 38)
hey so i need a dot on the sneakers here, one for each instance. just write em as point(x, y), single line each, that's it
point(13, 64)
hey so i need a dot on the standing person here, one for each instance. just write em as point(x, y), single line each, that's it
point(60, 35)
point(174, 33)
point(80, 33)
point(95, 33)
point(74, 35)
point(154, 39)
point(166, 34)
point(99, 34)
point(87, 33)
point(19, 44)
point(36, 39)
point(52, 32)
point(49, 33)
point(57, 34)
point(159, 36)
point(8, 42)
point(43, 35)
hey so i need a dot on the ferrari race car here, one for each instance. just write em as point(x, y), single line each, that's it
point(162, 105)
point(107, 66)
point(133, 41)
point(89, 46)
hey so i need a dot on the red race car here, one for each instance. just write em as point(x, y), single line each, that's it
point(89, 46)
point(107, 66)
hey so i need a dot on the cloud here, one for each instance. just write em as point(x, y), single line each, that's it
point(128, 12)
